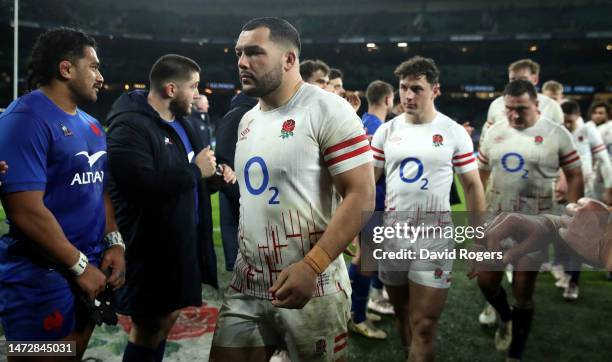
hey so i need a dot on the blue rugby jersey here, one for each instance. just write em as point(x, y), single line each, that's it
point(63, 155)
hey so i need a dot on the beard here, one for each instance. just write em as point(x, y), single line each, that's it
point(83, 94)
point(180, 107)
point(266, 84)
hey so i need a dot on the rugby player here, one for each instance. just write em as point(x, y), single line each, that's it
point(62, 232)
point(522, 157)
point(298, 145)
point(417, 152)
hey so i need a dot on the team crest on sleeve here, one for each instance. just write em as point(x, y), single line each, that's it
point(538, 140)
point(438, 140)
point(287, 130)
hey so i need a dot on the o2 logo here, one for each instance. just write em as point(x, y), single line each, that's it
point(519, 163)
point(418, 175)
point(264, 183)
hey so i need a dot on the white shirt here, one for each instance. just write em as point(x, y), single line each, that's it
point(602, 169)
point(285, 160)
point(524, 165)
point(419, 159)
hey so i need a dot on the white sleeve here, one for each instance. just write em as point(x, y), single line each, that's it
point(600, 154)
point(483, 153)
point(378, 147)
point(556, 113)
point(463, 155)
point(568, 155)
point(342, 140)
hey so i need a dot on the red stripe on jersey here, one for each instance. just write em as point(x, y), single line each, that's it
point(568, 155)
point(340, 336)
point(348, 155)
point(464, 162)
point(340, 347)
point(571, 160)
point(482, 159)
point(463, 156)
point(598, 148)
point(377, 150)
point(345, 144)
point(379, 158)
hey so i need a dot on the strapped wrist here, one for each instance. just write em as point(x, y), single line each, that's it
point(79, 267)
point(113, 238)
point(318, 259)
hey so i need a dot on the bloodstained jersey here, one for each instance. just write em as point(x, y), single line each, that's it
point(285, 160)
point(524, 165)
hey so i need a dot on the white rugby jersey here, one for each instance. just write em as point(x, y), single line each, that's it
point(524, 165)
point(285, 160)
point(418, 160)
point(589, 144)
point(602, 169)
point(547, 106)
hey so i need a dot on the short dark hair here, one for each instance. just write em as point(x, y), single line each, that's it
point(418, 66)
point(335, 73)
point(517, 88)
point(597, 104)
point(377, 91)
point(51, 48)
point(309, 66)
point(171, 67)
point(570, 107)
point(281, 31)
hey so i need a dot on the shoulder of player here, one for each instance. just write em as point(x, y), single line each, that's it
point(21, 114)
point(326, 102)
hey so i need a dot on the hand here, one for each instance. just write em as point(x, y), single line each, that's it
point(531, 232)
point(475, 267)
point(206, 162)
point(113, 258)
point(3, 168)
point(92, 282)
point(294, 286)
point(561, 188)
point(354, 100)
point(584, 227)
point(228, 174)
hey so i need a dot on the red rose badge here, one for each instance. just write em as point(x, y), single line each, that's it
point(538, 140)
point(288, 127)
point(438, 140)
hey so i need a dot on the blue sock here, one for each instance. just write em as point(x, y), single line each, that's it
point(159, 353)
point(376, 283)
point(136, 353)
point(361, 289)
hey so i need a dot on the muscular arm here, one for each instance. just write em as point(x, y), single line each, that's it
point(378, 173)
point(484, 177)
point(111, 223)
point(575, 185)
point(358, 190)
point(473, 189)
point(28, 213)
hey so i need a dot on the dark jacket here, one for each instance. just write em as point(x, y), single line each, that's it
point(152, 186)
point(227, 136)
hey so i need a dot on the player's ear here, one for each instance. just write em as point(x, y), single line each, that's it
point(170, 90)
point(436, 90)
point(65, 69)
point(290, 60)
